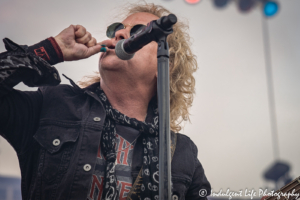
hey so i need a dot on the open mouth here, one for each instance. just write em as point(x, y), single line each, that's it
point(110, 49)
point(111, 46)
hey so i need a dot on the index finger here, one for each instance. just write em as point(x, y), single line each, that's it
point(108, 43)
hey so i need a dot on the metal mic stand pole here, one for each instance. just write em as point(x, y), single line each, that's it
point(161, 29)
point(163, 90)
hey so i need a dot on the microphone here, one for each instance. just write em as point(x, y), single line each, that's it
point(126, 48)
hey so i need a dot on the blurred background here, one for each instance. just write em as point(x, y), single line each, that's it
point(246, 112)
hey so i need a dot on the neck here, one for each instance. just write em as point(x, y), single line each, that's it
point(129, 96)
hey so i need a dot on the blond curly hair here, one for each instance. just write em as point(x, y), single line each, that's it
point(182, 65)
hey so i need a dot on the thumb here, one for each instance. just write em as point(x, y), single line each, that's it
point(93, 50)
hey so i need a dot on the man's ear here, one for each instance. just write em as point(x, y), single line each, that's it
point(156, 74)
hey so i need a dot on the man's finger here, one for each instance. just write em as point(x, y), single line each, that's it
point(80, 31)
point(106, 42)
point(93, 50)
point(85, 39)
point(91, 43)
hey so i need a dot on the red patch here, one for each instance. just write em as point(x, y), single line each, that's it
point(96, 183)
point(124, 151)
point(41, 52)
point(125, 189)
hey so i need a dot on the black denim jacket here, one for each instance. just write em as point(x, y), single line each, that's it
point(56, 132)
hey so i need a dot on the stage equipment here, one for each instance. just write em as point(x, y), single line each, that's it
point(278, 173)
point(270, 8)
point(163, 87)
point(192, 1)
point(220, 3)
point(270, 87)
point(246, 5)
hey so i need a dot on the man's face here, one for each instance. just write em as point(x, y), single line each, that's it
point(143, 66)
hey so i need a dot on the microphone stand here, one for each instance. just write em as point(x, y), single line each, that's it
point(163, 91)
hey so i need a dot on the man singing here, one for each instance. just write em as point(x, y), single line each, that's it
point(100, 140)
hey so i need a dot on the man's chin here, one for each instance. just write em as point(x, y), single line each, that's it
point(111, 64)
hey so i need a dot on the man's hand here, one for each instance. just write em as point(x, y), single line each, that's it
point(76, 43)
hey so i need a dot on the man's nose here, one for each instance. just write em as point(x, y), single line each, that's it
point(122, 34)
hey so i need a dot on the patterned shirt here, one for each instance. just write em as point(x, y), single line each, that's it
point(125, 137)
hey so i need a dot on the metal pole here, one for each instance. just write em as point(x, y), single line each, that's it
point(271, 96)
point(163, 90)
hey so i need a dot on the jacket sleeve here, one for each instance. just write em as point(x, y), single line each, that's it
point(200, 187)
point(19, 111)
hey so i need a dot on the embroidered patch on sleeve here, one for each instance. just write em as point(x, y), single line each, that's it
point(41, 52)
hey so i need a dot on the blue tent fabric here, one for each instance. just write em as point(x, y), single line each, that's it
point(10, 188)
